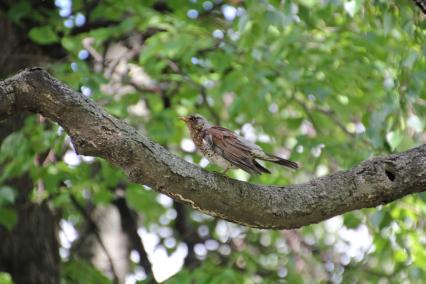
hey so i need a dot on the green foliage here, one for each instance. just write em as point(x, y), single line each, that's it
point(8, 217)
point(327, 83)
point(19, 10)
point(43, 35)
point(7, 195)
point(81, 272)
point(5, 278)
point(142, 201)
point(209, 273)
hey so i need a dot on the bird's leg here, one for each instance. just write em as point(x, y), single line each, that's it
point(222, 173)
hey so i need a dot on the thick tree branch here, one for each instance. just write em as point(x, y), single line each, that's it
point(421, 4)
point(94, 132)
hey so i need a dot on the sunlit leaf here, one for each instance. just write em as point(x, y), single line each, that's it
point(8, 218)
point(43, 35)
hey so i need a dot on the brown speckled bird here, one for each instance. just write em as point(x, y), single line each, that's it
point(227, 149)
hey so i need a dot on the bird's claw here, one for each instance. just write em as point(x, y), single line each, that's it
point(221, 173)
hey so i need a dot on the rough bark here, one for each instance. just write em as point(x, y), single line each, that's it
point(30, 251)
point(94, 132)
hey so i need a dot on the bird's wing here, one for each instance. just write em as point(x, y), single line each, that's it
point(233, 148)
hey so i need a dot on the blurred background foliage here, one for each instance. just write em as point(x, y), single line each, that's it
point(325, 83)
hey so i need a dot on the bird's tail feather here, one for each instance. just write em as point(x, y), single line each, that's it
point(260, 167)
point(283, 162)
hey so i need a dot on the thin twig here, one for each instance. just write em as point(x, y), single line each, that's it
point(308, 114)
point(95, 229)
point(188, 235)
point(330, 114)
point(130, 226)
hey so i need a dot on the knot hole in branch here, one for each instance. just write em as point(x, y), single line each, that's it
point(390, 172)
point(390, 175)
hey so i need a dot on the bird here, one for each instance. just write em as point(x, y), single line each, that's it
point(229, 150)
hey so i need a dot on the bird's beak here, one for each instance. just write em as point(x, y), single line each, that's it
point(183, 118)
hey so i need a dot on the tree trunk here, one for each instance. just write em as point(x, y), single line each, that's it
point(30, 251)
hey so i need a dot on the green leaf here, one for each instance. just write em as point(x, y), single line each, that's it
point(7, 195)
point(352, 220)
point(381, 219)
point(8, 217)
point(8, 147)
point(19, 10)
point(5, 278)
point(103, 196)
point(143, 200)
point(71, 44)
point(43, 35)
point(294, 123)
point(394, 138)
point(400, 255)
point(82, 272)
point(308, 3)
point(184, 276)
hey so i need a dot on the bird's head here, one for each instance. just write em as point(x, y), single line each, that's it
point(195, 122)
